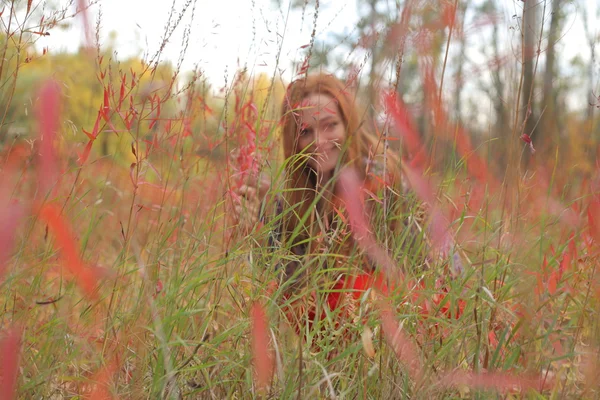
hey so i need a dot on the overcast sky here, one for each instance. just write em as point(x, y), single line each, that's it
point(223, 32)
point(227, 33)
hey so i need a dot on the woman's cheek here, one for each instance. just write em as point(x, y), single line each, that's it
point(304, 144)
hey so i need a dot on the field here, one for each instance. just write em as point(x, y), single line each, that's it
point(123, 273)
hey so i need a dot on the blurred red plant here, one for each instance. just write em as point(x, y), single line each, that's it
point(10, 216)
point(247, 158)
point(102, 380)
point(351, 194)
point(403, 347)
point(48, 121)
point(87, 277)
point(261, 355)
point(499, 381)
point(82, 8)
point(10, 347)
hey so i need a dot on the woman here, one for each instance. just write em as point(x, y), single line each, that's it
point(323, 133)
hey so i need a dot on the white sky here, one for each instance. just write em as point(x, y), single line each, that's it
point(222, 31)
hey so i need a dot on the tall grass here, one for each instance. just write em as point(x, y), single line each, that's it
point(134, 281)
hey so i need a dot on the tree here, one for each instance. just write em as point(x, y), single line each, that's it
point(550, 121)
point(23, 24)
point(594, 99)
point(529, 34)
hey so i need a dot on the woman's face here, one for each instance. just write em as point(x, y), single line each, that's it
point(322, 132)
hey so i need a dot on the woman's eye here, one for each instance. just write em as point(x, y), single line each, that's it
point(305, 131)
point(331, 125)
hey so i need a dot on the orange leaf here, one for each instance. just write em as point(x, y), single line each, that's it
point(373, 196)
point(351, 194)
point(405, 350)
point(569, 255)
point(594, 219)
point(403, 122)
point(82, 9)
point(501, 382)
point(10, 216)
point(106, 107)
point(48, 115)
point(552, 282)
point(9, 367)
point(121, 92)
point(86, 152)
point(101, 381)
point(86, 277)
point(94, 134)
point(263, 360)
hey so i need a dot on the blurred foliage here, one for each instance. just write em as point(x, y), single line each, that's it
point(149, 210)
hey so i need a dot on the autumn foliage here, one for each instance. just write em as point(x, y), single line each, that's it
point(124, 275)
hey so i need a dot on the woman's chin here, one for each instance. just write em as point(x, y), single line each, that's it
point(325, 171)
point(325, 167)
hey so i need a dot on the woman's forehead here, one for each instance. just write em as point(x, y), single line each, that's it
point(319, 104)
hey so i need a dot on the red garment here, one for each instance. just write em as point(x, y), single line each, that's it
point(345, 296)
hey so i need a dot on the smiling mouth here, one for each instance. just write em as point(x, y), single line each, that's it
point(325, 150)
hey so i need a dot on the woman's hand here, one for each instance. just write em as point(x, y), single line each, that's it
point(247, 201)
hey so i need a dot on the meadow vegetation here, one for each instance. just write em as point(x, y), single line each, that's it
point(123, 275)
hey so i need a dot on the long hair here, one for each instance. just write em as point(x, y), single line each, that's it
point(358, 151)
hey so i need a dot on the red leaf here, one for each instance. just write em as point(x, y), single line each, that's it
point(158, 288)
point(82, 6)
point(539, 288)
point(10, 347)
point(86, 152)
point(341, 215)
point(94, 134)
point(499, 381)
point(527, 139)
point(373, 196)
point(350, 192)
point(102, 381)
point(86, 277)
point(121, 92)
point(405, 350)
point(448, 15)
point(476, 166)
point(569, 255)
point(10, 216)
point(351, 195)
point(129, 120)
point(106, 107)
point(594, 219)
point(439, 225)
point(132, 174)
point(405, 125)
point(262, 358)
point(48, 114)
point(553, 282)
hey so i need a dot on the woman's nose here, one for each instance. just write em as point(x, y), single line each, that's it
point(321, 138)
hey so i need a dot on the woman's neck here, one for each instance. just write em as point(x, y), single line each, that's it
point(323, 178)
point(324, 185)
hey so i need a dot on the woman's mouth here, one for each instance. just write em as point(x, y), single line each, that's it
point(325, 150)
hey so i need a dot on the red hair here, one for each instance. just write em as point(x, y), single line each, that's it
point(360, 147)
